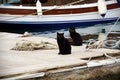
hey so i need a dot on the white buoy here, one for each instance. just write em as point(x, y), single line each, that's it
point(102, 8)
point(39, 8)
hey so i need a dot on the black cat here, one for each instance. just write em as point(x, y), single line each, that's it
point(76, 37)
point(63, 44)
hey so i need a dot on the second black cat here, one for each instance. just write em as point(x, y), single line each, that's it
point(76, 37)
point(63, 44)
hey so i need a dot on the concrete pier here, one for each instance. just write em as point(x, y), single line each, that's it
point(14, 63)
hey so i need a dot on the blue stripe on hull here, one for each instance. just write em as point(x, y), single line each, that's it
point(20, 27)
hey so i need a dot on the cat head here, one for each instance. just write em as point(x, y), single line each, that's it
point(72, 29)
point(60, 35)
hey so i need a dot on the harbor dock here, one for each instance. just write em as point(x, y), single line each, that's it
point(22, 64)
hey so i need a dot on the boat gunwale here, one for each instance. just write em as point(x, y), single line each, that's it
point(54, 11)
point(48, 17)
point(56, 7)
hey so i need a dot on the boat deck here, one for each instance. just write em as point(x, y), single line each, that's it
point(14, 63)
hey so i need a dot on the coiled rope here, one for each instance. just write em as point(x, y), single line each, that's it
point(102, 42)
point(109, 31)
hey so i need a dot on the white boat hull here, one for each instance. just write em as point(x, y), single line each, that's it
point(52, 22)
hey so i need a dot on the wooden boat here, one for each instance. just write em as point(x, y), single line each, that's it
point(17, 17)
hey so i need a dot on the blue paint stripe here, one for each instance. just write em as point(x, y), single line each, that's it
point(20, 27)
point(60, 22)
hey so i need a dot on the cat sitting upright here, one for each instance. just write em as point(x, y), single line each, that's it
point(76, 37)
point(63, 44)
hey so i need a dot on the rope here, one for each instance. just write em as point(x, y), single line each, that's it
point(108, 56)
point(113, 58)
point(113, 45)
point(47, 10)
point(109, 31)
point(87, 49)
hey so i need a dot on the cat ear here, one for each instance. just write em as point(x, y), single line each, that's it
point(72, 27)
point(57, 33)
point(62, 34)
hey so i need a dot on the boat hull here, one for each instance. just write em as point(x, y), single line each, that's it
point(73, 16)
point(20, 27)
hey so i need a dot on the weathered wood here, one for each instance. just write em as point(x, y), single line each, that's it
point(21, 62)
